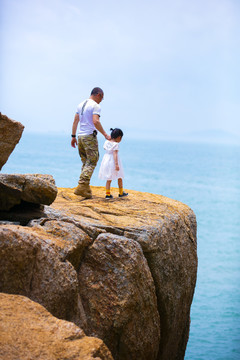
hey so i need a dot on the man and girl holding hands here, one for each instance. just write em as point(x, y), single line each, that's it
point(88, 118)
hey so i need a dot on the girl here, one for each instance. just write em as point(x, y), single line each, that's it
point(111, 166)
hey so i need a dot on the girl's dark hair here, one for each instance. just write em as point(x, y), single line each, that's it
point(115, 133)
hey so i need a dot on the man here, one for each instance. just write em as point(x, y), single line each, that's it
point(88, 116)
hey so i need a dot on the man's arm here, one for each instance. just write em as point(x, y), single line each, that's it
point(74, 130)
point(98, 126)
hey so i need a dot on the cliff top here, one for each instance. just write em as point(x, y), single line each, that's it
point(137, 210)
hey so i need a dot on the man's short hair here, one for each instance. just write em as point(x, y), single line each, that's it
point(96, 90)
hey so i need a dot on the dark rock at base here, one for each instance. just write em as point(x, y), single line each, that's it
point(32, 188)
point(22, 213)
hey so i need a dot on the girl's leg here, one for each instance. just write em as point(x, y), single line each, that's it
point(108, 186)
point(120, 185)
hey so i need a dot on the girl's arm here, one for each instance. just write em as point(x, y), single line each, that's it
point(115, 157)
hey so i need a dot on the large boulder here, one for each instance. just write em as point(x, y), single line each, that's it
point(166, 230)
point(125, 269)
point(10, 134)
point(28, 332)
point(31, 188)
point(31, 266)
point(118, 295)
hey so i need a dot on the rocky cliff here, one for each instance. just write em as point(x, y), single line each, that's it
point(122, 270)
point(92, 279)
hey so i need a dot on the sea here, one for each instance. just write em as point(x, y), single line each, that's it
point(206, 177)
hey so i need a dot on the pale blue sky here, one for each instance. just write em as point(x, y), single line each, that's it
point(166, 68)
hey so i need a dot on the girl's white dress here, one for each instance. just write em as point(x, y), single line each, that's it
point(107, 168)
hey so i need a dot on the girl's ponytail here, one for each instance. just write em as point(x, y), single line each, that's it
point(115, 133)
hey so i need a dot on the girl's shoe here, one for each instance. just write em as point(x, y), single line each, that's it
point(123, 194)
point(108, 197)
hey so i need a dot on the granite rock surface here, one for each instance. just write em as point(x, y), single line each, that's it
point(30, 188)
point(166, 231)
point(10, 134)
point(29, 332)
point(125, 269)
point(30, 267)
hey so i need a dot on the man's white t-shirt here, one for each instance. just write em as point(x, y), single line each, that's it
point(86, 109)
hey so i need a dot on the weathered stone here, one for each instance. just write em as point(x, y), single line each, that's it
point(68, 240)
point(166, 231)
point(32, 188)
point(118, 295)
point(136, 261)
point(23, 213)
point(28, 332)
point(30, 266)
point(10, 134)
point(173, 264)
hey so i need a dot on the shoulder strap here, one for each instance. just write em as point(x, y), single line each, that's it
point(83, 107)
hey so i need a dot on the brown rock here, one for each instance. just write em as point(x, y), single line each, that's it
point(32, 188)
point(29, 332)
point(136, 261)
point(10, 134)
point(166, 231)
point(68, 240)
point(30, 266)
point(119, 299)
point(23, 213)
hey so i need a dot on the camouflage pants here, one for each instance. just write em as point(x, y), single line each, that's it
point(88, 151)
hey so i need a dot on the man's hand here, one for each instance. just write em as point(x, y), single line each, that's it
point(117, 167)
point(98, 126)
point(74, 130)
point(73, 142)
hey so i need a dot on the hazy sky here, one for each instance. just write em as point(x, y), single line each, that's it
point(165, 66)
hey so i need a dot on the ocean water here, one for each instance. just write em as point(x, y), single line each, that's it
point(204, 176)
